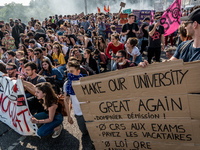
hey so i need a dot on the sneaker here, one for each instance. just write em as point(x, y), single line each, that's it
point(57, 133)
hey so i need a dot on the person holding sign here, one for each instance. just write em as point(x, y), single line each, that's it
point(51, 118)
point(190, 50)
point(130, 29)
point(73, 67)
point(122, 62)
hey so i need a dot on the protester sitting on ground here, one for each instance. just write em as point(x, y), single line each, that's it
point(115, 45)
point(34, 78)
point(33, 44)
point(23, 48)
point(39, 55)
point(101, 59)
point(44, 51)
point(11, 58)
point(21, 69)
point(12, 70)
point(3, 68)
point(19, 54)
point(170, 52)
point(122, 62)
point(76, 53)
point(90, 61)
point(73, 68)
point(131, 49)
point(31, 56)
point(59, 59)
point(8, 41)
point(3, 54)
point(51, 117)
point(101, 44)
point(49, 71)
point(87, 43)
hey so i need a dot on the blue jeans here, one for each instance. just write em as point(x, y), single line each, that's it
point(138, 59)
point(48, 128)
point(62, 69)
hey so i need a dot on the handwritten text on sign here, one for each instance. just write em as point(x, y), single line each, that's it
point(160, 107)
point(176, 131)
point(13, 109)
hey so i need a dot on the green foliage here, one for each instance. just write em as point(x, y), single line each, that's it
point(38, 9)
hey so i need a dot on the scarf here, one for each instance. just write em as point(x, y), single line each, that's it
point(71, 78)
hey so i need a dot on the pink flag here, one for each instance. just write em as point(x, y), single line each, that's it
point(171, 17)
point(152, 15)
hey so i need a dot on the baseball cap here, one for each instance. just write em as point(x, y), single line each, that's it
point(194, 16)
point(16, 21)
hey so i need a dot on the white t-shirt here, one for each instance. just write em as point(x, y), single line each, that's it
point(123, 39)
point(65, 50)
point(75, 102)
point(135, 51)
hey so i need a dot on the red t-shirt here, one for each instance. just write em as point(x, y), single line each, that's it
point(114, 49)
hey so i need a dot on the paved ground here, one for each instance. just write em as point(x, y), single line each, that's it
point(70, 138)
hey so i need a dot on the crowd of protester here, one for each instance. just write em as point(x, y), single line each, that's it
point(48, 55)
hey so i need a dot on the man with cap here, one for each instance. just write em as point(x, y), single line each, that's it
point(156, 37)
point(190, 50)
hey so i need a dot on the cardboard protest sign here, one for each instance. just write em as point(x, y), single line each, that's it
point(144, 14)
point(127, 11)
point(13, 107)
point(158, 107)
point(118, 29)
point(143, 108)
point(123, 18)
point(143, 145)
point(161, 79)
point(137, 15)
point(157, 130)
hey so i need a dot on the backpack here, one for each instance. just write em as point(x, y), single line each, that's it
point(140, 34)
point(184, 46)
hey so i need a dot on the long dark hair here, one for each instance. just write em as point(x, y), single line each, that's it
point(50, 98)
point(102, 39)
point(59, 49)
point(50, 66)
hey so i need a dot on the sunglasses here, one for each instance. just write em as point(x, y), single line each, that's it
point(119, 57)
point(99, 39)
point(187, 23)
point(36, 53)
point(21, 63)
point(9, 68)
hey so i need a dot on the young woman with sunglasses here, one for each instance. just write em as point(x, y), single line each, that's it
point(21, 69)
point(101, 44)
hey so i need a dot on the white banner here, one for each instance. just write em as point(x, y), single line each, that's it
point(14, 109)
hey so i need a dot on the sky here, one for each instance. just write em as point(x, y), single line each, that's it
point(24, 2)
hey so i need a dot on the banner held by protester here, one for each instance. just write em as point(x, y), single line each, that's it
point(13, 107)
point(141, 108)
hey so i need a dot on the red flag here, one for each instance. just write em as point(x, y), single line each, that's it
point(108, 9)
point(99, 11)
point(105, 8)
